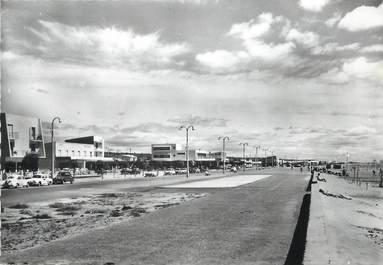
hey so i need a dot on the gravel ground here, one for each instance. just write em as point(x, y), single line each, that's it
point(29, 225)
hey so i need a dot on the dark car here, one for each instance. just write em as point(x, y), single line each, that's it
point(62, 177)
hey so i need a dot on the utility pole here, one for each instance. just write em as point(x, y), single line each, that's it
point(187, 146)
point(347, 156)
point(224, 138)
point(243, 154)
point(53, 145)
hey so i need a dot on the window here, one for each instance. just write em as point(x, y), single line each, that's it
point(79, 153)
point(67, 152)
point(84, 153)
point(10, 131)
point(91, 153)
point(161, 156)
point(33, 133)
point(72, 152)
point(161, 148)
point(59, 151)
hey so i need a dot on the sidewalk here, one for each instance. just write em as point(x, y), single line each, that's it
point(346, 223)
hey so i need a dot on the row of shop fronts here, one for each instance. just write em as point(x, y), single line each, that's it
point(22, 135)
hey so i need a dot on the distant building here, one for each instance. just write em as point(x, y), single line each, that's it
point(83, 152)
point(170, 154)
point(121, 156)
point(166, 152)
point(20, 135)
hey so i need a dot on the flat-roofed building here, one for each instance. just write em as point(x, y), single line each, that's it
point(167, 152)
point(77, 152)
point(20, 135)
point(174, 155)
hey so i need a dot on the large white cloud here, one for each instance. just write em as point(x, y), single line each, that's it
point(362, 68)
point(313, 5)
point(253, 29)
point(307, 39)
point(222, 59)
point(362, 18)
point(257, 52)
point(268, 53)
point(354, 69)
point(107, 46)
point(373, 48)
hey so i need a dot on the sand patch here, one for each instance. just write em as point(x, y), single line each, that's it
point(226, 182)
point(25, 226)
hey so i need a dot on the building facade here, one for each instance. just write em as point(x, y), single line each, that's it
point(20, 135)
point(173, 155)
point(167, 152)
point(83, 152)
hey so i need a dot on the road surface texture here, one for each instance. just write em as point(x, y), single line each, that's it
point(249, 224)
point(91, 186)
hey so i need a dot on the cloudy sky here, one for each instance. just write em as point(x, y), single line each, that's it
point(301, 77)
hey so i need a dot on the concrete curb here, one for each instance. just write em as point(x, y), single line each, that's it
point(296, 252)
point(317, 251)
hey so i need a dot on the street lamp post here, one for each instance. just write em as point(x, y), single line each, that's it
point(243, 154)
point(53, 145)
point(187, 146)
point(257, 147)
point(272, 158)
point(347, 156)
point(224, 138)
point(265, 149)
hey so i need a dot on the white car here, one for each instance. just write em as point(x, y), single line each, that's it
point(150, 174)
point(170, 171)
point(15, 181)
point(40, 180)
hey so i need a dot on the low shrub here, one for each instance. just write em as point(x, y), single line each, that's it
point(116, 213)
point(42, 216)
point(19, 206)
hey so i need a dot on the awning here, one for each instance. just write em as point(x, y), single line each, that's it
point(94, 159)
point(14, 159)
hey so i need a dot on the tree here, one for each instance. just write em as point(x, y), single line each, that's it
point(30, 162)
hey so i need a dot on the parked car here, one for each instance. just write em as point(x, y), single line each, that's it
point(62, 177)
point(181, 171)
point(40, 180)
point(170, 171)
point(15, 181)
point(150, 174)
point(130, 171)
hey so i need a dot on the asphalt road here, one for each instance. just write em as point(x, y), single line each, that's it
point(250, 224)
point(90, 186)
